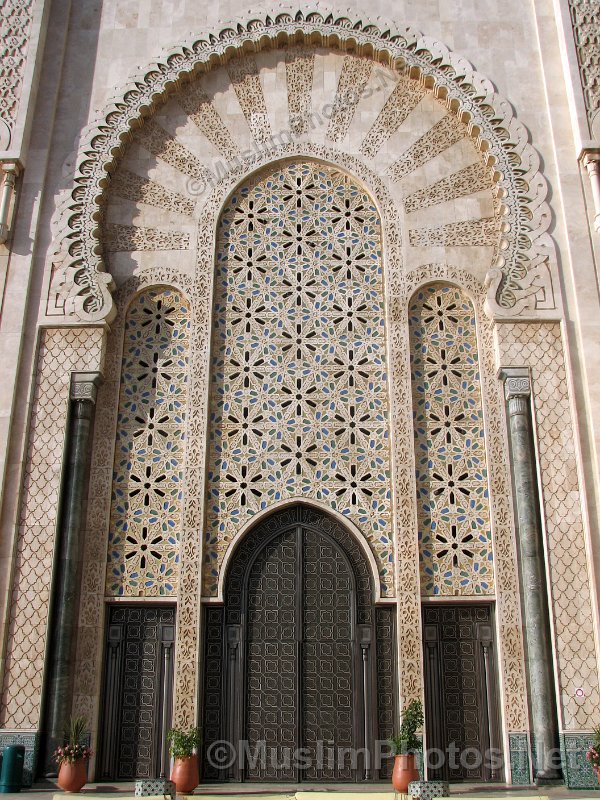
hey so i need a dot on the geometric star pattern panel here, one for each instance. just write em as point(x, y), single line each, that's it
point(147, 495)
point(455, 541)
point(299, 395)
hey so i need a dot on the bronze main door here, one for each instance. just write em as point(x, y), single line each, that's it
point(291, 662)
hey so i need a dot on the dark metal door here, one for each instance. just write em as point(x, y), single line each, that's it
point(138, 683)
point(461, 698)
point(298, 658)
point(331, 706)
point(300, 654)
point(272, 708)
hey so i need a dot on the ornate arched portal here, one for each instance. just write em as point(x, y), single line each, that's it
point(298, 407)
point(298, 662)
point(430, 151)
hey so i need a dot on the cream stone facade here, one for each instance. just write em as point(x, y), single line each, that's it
point(301, 268)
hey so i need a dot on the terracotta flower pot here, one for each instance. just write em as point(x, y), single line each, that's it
point(72, 775)
point(185, 774)
point(404, 772)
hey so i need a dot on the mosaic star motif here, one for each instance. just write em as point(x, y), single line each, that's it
point(299, 387)
point(452, 485)
point(146, 507)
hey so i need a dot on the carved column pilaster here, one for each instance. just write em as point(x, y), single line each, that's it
point(9, 172)
point(536, 617)
point(67, 561)
point(591, 161)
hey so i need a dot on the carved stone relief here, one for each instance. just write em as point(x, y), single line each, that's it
point(81, 288)
point(586, 23)
point(15, 25)
point(540, 347)
point(61, 352)
point(504, 547)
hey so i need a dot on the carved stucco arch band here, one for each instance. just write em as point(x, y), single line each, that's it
point(525, 260)
point(343, 521)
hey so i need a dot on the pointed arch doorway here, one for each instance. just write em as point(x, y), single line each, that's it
point(299, 666)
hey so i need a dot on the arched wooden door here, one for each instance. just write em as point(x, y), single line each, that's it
point(298, 657)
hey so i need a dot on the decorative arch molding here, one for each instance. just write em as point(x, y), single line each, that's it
point(345, 162)
point(513, 683)
point(339, 519)
point(81, 287)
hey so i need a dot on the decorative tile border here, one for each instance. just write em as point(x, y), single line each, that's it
point(520, 762)
point(32, 744)
point(577, 771)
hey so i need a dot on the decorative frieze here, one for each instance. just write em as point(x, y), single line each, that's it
point(15, 27)
point(468, 233)
point(443, 135)
point(80, 285)
point(586, 24)
point(243, 73)
point(127, 238)
point(130, 186)
point(352, 83)
point(406, 96)
point(198, 105)
point(471, 179)
point(165, 146)
point(299, 67)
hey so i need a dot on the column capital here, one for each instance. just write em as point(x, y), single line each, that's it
point(11, 167)
point(84, 386)
point(517, 381)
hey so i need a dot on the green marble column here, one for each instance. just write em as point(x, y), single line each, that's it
point(536, 618)
point(66, 578)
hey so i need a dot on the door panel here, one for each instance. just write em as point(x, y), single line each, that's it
point(272, 711)
point(138, 685)
point(328, 671)
point(461, 690)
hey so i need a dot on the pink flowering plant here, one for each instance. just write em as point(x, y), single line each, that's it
point(593, 753)
point(73, 750)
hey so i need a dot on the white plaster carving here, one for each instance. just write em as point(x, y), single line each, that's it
point(81, 288)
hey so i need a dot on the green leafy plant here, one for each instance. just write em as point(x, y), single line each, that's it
point(406, 740)
point(73, 750)
point(182, 744)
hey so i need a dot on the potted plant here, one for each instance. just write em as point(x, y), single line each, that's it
point(184, 749)
point(72, 757)
point(404, 746)
point(593, 754)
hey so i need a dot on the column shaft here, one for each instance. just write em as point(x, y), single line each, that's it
point(538, 639)
point(65, 600)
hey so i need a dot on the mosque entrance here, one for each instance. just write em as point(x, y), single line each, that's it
point(299, 662)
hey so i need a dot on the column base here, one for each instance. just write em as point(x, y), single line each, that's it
point(549, 778)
